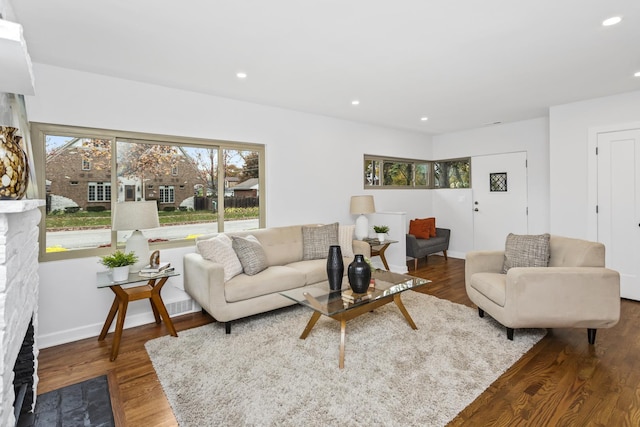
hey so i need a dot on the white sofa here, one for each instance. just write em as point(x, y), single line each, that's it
point(245, 295)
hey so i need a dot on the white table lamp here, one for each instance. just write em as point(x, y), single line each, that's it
point(361, 205)
point(136, 216)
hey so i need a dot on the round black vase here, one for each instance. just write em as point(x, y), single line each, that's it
point(359, 275)
point(335, 267)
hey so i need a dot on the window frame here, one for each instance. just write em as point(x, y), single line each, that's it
point(39, 131)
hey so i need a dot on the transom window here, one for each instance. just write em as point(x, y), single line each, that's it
point(390, 172)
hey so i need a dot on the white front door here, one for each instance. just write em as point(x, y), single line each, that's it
point(499, 183)
point(619, 206)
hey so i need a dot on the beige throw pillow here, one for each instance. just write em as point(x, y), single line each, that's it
point(316, 240)
point(345, 238)
point(526, 251)
point(219, 249)
point(251, 254)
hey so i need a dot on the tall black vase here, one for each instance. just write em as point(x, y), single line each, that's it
point(335, 267)
point(359, 275)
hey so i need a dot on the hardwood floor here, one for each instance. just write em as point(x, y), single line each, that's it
point(562, 381)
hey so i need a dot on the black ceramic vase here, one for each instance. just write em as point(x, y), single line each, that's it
point(359, 275)
point(335, 267)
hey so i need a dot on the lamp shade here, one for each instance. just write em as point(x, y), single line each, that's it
point(362, 205)
point(135, 216)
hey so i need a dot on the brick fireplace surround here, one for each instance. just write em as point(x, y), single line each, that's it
point(18, 297)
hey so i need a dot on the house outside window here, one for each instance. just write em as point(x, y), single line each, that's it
point(86, 165)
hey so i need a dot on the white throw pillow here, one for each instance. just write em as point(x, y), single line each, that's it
point(219, 249)
point(345, 239)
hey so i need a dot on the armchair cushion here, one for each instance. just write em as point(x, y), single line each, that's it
point(526, 251)
point(421, 228)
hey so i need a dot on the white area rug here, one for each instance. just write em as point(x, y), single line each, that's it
point(264, 375)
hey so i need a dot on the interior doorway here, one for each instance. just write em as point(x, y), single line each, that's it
point(618, 205)
point(499, 183)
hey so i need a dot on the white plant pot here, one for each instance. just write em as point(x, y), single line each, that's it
point(120, 274)
point(381, 237)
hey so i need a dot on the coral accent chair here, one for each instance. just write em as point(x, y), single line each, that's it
point(574, 291)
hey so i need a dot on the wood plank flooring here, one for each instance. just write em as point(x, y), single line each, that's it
point(562, 381)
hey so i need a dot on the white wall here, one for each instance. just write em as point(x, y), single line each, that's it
point(531, 136)
point(570, 126)
point(314, 165)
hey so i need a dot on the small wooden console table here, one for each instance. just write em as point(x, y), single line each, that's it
point(121, 301)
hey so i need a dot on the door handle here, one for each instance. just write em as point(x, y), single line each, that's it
point(476, 209)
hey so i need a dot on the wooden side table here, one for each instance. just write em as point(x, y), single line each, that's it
point(151, 290)
point(378, 248)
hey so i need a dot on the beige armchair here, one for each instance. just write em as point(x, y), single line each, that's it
point(574, 291)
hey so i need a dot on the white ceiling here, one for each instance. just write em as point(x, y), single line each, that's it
point(461, 63)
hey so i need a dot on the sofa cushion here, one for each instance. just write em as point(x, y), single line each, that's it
point(417, 228)
point(526, 251)
point(492, 285)
point(272, 280)
point(250, 253)
point(220, 249)
point(315, 271)
point(316, 240)
point(345, 239)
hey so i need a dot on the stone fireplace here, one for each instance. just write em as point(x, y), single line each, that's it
point(18, 304)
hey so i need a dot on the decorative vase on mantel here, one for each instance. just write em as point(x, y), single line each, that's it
point(359, 275)
point(335, 268)
point(14, 167)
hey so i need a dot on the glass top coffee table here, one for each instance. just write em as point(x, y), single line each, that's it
point(343, 306)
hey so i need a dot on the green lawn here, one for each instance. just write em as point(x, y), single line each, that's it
point(84, 219)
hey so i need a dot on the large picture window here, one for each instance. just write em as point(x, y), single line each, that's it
point(186, 178)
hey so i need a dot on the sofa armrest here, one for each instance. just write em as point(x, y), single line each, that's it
point(482, 262)
point(564, 293)
point(444, 232)
point(362, 247)
point(204, 282)
point(412, 246)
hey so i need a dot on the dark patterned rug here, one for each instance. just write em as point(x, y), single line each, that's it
point(84, 404)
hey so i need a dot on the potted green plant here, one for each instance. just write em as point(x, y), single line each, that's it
point(381, 231)
point(119, 263)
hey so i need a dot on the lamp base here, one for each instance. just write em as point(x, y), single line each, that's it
point(139, 245)
point(362, 227)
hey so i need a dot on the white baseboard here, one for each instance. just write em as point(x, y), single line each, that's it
point(91, 331)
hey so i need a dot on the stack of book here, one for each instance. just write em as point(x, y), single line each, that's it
point(350, 297)
point(156, 270)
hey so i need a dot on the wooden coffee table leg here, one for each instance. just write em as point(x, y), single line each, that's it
point(343, 336)
point(403, 310)
point(312, 322)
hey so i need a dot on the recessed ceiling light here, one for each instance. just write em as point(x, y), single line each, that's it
point(355, 102)
point(611, 21)
point(424, 119)
point(637, 74)
point(241, 75)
